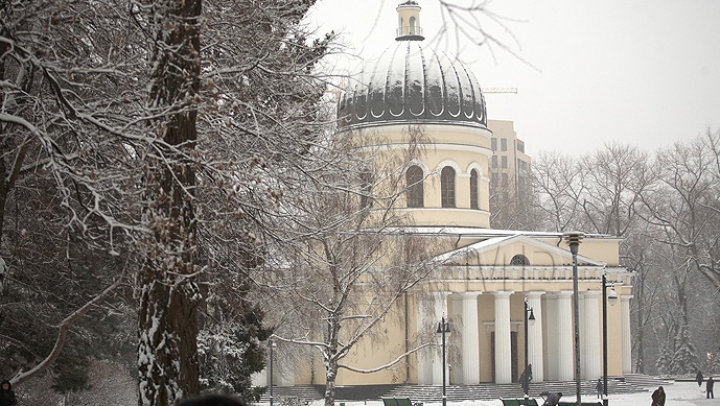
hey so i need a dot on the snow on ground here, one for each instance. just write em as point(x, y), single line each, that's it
point(678, 394)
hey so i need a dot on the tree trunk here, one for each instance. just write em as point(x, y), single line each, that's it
point(330, 378)
point(168, 328)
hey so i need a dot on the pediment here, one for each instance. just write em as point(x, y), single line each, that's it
point(500, 251)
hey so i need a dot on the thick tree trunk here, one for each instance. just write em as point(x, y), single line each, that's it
point(168, 328)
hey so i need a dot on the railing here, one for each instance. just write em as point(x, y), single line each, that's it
point(408, 30)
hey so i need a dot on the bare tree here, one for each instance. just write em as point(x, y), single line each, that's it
point(155, 139)
point(513, 201)
point(49, 189)
point(686, 206)
point(613, 179)
point(476, 23)
point(556, 184)
point(344, 265)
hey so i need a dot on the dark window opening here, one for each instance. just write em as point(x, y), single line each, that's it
point(414, 180)
point(474, 195)
point(447, 186)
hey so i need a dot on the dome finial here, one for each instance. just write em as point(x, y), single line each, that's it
point(409, 22)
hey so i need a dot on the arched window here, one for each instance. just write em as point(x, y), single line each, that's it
point(519, 260)
point(412, 25)
point(414, 181)
point(447, 186)
point(474, 195)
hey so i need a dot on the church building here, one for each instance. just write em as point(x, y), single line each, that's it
point(493, 280)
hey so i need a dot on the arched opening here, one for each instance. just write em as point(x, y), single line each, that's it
point(447, 186)
point(474, 194)
point(415, 191)
point(519, 260)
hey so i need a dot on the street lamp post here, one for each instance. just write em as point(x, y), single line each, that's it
point(528, 320)
point(573, 239)
point(272, 345)
point(612, 298)
point(443, 328)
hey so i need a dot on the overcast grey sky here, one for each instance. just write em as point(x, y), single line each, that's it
point(632, 71)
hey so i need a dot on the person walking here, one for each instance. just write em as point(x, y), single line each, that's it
point(599, 388)
point(525, 379)
point(7, 396)
point(658, 397)
point(709, 389)
point(699, 378)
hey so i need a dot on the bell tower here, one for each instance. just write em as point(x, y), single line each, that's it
point(409, 22)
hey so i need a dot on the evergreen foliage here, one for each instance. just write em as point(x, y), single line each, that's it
point(230, 345)
point(685, 359)
point(663, 363)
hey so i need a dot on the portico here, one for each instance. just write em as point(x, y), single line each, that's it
point(492, 350)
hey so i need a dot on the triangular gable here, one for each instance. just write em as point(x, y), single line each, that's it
point(460, 256)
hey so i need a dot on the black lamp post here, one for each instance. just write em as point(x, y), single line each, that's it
point(612, 298)
point(573, 239)
point(272, 345)
point(529, 320)
point(443, 328)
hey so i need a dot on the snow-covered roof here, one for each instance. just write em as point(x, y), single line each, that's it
point(494, 243)
point(491, 233)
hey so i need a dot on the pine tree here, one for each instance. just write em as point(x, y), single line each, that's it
point(685, 359)
point(231, 341)
point(663, 363)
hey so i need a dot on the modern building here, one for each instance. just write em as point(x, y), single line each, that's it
point(490, 278)
point(510, 177)
point(510, 165)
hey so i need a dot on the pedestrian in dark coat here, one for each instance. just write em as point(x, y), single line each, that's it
point(212, 400)
point(658, 397)
point(699, 378)
point(599, 388)
point(709, 389)
point(7, 396)
point(525, 379)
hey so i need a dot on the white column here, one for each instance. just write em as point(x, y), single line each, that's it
point(458, 324)
point(565, 337)
point(471, 338)
point(503, 352)
point(550, 328)
point(591, 336)
point(440, 311)
point(427, 321)
point(626, 344)
point(535, 336)
point(581, 310)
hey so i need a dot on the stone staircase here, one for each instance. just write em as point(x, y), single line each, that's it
point(302, 392)
point(647, 382)
point(483, 391)
point(488, 391)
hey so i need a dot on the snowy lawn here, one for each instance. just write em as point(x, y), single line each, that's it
point(678, 394)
